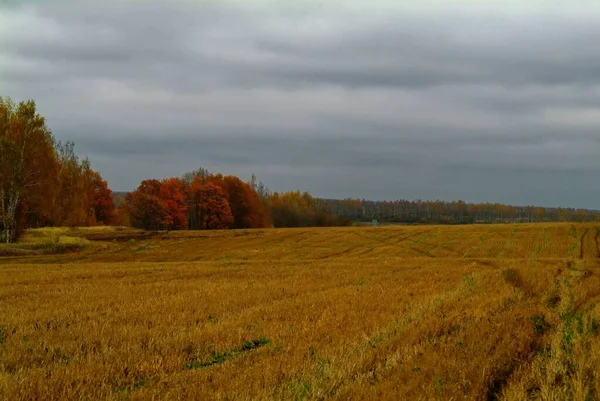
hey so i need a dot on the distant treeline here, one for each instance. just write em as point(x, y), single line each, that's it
point(44, 183)
point(456, 212)
point(203, 201)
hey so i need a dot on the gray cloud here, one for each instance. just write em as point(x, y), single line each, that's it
point(483, 103)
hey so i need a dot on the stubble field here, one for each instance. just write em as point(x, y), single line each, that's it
point(421, 312)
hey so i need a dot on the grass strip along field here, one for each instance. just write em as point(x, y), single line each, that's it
point(425, 312)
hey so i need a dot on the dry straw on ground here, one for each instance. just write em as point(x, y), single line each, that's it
point(430, 312)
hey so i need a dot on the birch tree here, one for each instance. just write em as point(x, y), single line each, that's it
point(27, 159)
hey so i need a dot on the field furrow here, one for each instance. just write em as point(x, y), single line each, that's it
point(413, 312)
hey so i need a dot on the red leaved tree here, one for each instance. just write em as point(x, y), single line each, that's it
point(146, 210)
point(209, 208)
point(247, 209)
point(172, 196)
point(101, 201)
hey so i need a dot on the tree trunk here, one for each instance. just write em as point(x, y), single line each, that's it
point(9, 214)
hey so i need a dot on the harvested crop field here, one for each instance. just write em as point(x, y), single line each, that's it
point(412, 312)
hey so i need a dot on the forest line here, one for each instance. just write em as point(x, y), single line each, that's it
point(44, 183)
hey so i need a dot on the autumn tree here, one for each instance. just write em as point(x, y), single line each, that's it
point(200, 173)
point(209, 208)
point(101, 201)
point(27, 163)
point(172, 196)
point(246, 207)
point(286, 210)
point(145, 207)
point(72, 187)
point(297, 209)
point(122, 215)
point(247, 201)
point(157, 205)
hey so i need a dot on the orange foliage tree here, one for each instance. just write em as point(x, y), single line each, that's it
point(101, 201)
point(145, 207)
point(158, 205)
point(172, 196)
point(27, 164)
point(209, 208)
point(66, 196)
point(80, 196)
point(300, 209)
point(122, 215)
point(247, 209)
point(246, 205)
point(43, 182)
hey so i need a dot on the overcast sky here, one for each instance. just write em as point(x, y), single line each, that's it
point(451, 100)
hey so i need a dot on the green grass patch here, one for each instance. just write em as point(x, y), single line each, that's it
point(45, 241)
point(217, 358)
point(3, 334)
point(145, 247)
point(540, 326)
point(425, 237)
point(469, 281)
point(301, 390)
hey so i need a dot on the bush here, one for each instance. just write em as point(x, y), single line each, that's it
point(45, 241)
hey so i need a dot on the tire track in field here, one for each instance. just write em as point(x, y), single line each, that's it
point(581, 243)
point(394, 240)
point(341, 375)
point(381, 354)
point(597, 242)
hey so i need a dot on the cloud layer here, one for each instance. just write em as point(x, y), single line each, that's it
point(482, 103)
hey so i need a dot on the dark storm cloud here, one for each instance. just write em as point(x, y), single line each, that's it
point(486, 103)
